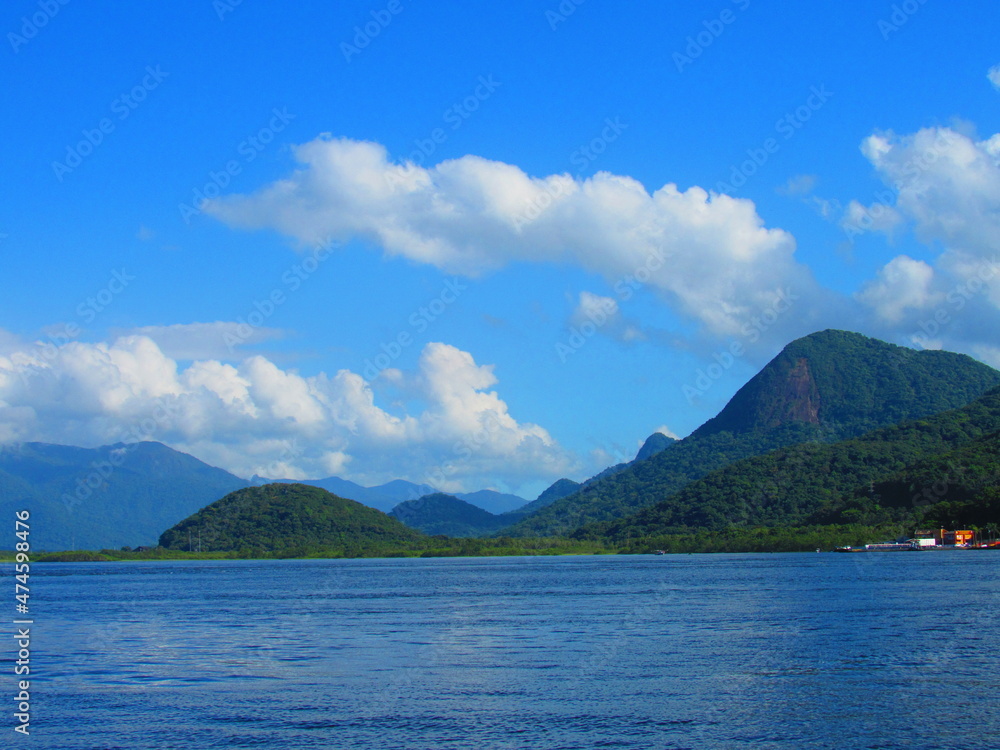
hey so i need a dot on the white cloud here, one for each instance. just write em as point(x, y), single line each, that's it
point(799, 185)
point(994, 75)
point(709, 255)
point(254, 417)
point(664, 430)
point(947, 187)
point(9, 343)
point(902, 284)
point(878, 217)
point(605, 315)
point(594, 307)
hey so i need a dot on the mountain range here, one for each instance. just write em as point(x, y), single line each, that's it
point(126, 494)
point(838, 428)
point(826, 387)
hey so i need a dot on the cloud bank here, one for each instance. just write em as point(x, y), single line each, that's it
point(254, 417)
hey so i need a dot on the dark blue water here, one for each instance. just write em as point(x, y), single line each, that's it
point(880, 650)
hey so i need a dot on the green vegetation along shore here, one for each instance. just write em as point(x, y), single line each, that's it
point(798, 539)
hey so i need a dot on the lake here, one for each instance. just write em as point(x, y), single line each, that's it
point(874, 650)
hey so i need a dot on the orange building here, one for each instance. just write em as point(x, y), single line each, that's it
point(956, 537)
point(945, 537)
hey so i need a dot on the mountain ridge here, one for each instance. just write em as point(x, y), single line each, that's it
point(823, 483)
point(848, 384)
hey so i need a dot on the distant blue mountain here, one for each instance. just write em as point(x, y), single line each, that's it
point(387, 496)
point(108, 497)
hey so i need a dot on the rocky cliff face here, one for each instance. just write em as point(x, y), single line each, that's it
point(799, 399)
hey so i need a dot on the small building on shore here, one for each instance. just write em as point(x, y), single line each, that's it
point(943, 537)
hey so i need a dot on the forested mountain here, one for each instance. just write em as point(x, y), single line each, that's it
point(821, 388)
point(285, 517)
point(956, 489)
point(655, 443)
point(112, 496)
point(556, 491)
point(453, 515)
point(448, 515)
point(891, 474)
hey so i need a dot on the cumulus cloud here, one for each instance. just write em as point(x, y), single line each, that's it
point(256, 418)
point(902, 284)
point(715, 261)
point(947, 185)
point(947, 189)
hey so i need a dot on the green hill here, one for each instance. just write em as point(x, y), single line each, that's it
point(445, 514)
point(285, 517)
point(825, 387)
point(878, 478)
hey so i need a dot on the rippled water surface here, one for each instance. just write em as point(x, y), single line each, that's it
point(876, 650)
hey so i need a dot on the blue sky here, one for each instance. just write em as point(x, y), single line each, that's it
point(478, 245)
